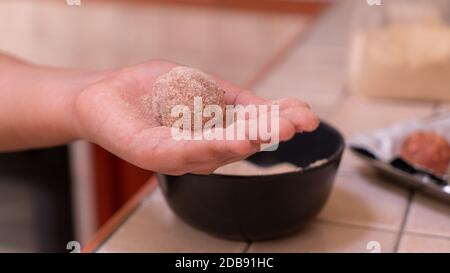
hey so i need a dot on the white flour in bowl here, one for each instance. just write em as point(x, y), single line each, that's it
point(245, 167)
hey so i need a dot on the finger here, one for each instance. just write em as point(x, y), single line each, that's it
point(303, 119)
point(291, 103)
point(287, 129)
point(237, 95)
point(212, 167)
point(280, 130)
point(198, 151)
point(298, 113)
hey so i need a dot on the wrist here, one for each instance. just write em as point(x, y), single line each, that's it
point(37, 102)
point(79, 82)
point(65, 86)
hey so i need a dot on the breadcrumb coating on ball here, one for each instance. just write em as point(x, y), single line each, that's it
point(180, 86)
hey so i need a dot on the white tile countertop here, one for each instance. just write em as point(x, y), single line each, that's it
point(363, 206)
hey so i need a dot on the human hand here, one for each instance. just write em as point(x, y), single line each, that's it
point(115, 112)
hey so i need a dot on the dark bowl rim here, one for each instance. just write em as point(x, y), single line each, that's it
point(329, 160)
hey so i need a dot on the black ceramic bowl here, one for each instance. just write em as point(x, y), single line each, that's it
point(260, 207)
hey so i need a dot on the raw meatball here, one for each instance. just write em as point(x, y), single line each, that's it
point(179, 86)
point(428, 150)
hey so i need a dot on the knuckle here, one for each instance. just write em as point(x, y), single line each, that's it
point(242, 148)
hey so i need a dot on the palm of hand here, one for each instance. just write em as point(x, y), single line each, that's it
point(116, 113)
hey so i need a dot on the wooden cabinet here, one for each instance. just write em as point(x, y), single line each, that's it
point(116, 181)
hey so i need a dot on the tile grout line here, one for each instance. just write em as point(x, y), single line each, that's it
point(248, 244)
point(355, 226)
point(405, 218)
point(347, 174)
point(122, 222)
point(435, 107)
point(95, 248)
point(427, 235)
